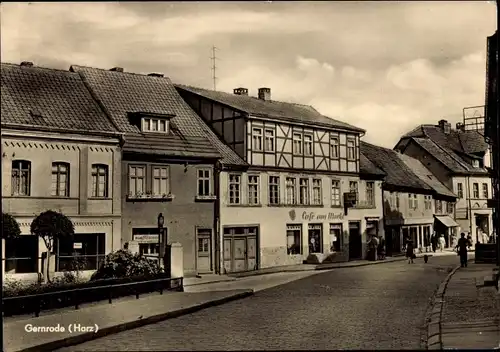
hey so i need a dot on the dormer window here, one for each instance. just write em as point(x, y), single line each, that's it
point(475, 163)
point(154, 125)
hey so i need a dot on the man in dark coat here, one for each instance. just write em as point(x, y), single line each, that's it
point(462, 250)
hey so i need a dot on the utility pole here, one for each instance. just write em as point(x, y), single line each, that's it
point(214, 66)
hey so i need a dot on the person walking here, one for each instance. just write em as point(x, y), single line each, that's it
point(434, 242)
point(381, 249)
point(409, 251)
point(442, 243)
point(462, 250)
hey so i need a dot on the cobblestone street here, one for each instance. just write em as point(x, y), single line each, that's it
point(371, 307)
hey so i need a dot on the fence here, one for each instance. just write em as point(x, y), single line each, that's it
point(99, 290)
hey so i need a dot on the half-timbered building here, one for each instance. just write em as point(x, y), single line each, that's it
point(289, 203)
point(59, 152)
point(168, 165)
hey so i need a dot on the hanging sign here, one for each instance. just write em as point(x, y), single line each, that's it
point(77, 245)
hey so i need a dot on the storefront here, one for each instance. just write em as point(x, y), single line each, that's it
point(419, 234)
point(445, 226)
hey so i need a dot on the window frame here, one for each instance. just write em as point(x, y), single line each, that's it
point(334, 147)
point(95, 174)
point(160, 178)
point(273, 190)
point(297, 142)
point(354, 189)
point(304, 191)
point(295, 231)
point(309, 144)
point(335, 226)
point(475, 190)
point(24, 166)
point(370, 190)
point(58, 172)
point(203, 179)
point(460, 190)
point(14, 246)
point(317, 184)
point(332, 188)
point(485, 190)
point(236, 198)
point(269, 140)
point(292, 185)
point(136, 178)
point(148, 122)
point(353, 148)
point(257, 137)
point(253, 187)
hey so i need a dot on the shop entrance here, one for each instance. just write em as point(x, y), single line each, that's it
point(355, 241)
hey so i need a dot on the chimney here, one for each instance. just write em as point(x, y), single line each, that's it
point(117, 69)
point(155, 74)
point(265, 93)
point(26, 64)
point(240, 91)
point(445, 126)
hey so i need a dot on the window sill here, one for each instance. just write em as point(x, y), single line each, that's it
point(168, 198)
point(205, 198)
point(296, 205)
point(245, 205)
point(100, 198)
point(364, 207)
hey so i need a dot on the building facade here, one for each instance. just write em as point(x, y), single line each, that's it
point(288, 203)
point(458, 158)
point(59, 152)
point(168, 166)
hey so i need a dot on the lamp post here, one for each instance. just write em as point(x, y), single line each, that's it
point(161, 220)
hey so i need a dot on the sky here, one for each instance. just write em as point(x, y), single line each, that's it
point(383, 66)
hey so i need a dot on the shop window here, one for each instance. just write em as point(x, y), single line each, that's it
point(315, 238)
point(83, 251)
point(294, 239)
point(335, 237)
point(21, 255)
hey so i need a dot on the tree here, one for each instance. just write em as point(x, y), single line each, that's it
point(50, 226)
point(10, 227)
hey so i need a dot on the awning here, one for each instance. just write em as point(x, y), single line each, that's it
point(446, 220)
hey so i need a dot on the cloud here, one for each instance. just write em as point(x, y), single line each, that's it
point(383, 67)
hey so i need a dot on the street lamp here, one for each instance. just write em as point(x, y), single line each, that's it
point(161, 221)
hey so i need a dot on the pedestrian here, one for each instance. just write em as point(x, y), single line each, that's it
point(434, 242)
point(409, 251)
point(442, 243)
point(462, 250)
point(381, 249)
point(469, 241)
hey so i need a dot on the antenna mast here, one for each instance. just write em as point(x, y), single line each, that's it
point(214, 66)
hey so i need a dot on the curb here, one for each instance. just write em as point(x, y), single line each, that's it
point(75, 340)
point(376, 262)
point(209, 282)
point(434, 338)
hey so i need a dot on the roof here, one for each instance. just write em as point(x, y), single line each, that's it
point(43, 97)
point(398, 174)
point(122, 93)
point(278, 110)
point(455, 145)
point(367, 167)
point(426, 175)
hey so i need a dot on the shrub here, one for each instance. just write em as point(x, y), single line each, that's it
point(10, 227)
point(122, 263)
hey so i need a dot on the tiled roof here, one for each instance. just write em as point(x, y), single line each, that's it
point(278, 110)
point(121, 93)
point(398, 174)
point(426, 175)
point(51, 98)
point(367, 167)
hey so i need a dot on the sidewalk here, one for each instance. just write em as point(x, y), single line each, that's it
point(470, 316)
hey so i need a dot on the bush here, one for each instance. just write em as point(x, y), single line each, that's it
point(123, 264)
point(10, 227)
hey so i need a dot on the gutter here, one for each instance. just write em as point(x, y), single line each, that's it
point(39, 128)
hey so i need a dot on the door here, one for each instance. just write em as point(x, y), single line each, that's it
point(204, 250)
point(355, 243)
point(240, 254)
point(251, 253)
point(227, 255)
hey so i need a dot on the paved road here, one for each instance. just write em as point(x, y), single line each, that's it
point(370, 307)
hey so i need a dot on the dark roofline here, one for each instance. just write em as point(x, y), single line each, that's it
point(151, 114)
point(407, 189)
point(371, 176)
point(35, 128)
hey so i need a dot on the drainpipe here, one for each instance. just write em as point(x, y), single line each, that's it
point(384, 220)
point(469, 205)
point(217, 172)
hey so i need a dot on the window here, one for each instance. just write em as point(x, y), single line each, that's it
point(269, 140)
point(274, 190)
point(304, 191)
point(60, 180)
point(257, 139)
point(204, 236)
point(439, 206)
point(154, 125)
point(148, 241)
point(475, 163)
point(335, 194)
point(370, 193)
point(204, 182)
point(297, 144)
point(308, 144)
point(253, 189)
point(85, 249)
point(460, 191)
point(234, 189)
point(21, 178)
point(450, 206)
point(415, 202)
point(397, 200)
point(334, 147)
point(136, 183)
point(317, 194)
point(475, 189)
point(160, 181)
point(21, 255)
point(353, 187)
point(427, 202)
point(485, 190)
point(410, 201)
point(291, 190)
point(315, 238)
point(351, 149)
point(335, 237)
point(99, 180)
point(294, 239)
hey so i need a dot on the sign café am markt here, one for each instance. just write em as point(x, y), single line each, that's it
point(312, 216)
